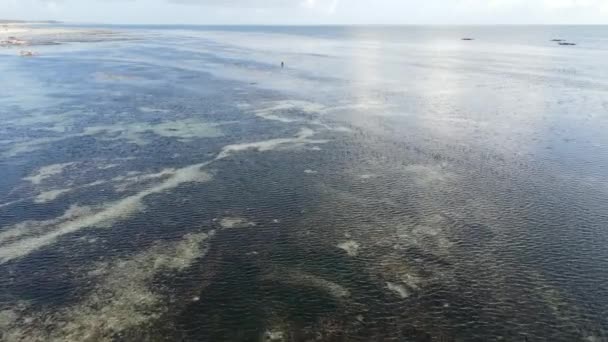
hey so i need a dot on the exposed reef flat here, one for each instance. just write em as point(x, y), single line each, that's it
point(28, 35)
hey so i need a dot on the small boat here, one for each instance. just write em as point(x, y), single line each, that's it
point(468, 38)
point(27, 54)
point(13, 41)
point(566, 43)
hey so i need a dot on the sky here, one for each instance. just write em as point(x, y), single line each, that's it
point(310, 12)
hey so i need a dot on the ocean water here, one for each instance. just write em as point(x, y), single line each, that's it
point(388, 184)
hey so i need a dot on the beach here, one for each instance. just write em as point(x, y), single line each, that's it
point(27, 35)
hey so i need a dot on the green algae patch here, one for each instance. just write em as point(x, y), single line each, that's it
point(183, 130)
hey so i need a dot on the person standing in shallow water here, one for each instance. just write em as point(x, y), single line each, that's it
point(282, 65)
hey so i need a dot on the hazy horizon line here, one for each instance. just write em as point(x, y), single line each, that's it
point(51, 21)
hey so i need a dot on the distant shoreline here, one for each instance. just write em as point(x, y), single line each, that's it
point(28, 34)
point(7, 21)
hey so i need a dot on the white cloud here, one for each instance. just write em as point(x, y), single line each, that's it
point(314, 11)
